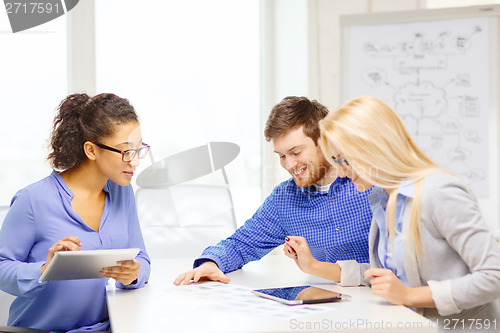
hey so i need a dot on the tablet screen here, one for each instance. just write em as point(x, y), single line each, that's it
point(300, 295)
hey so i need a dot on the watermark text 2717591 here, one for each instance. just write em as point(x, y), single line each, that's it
point(33, 8)
point(26, 14)
point(469, 324)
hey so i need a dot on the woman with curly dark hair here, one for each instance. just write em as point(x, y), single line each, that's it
point(87, 203)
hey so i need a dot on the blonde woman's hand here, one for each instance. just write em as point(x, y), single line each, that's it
point(386, 284)
point(68, 243)
point(296, 248)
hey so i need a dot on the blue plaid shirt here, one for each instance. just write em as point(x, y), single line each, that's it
point(335, 225)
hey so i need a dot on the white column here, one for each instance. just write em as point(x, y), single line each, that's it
point(289, 67)
point(81, 48)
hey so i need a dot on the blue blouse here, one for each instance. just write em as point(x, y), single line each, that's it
point(40, 215)
point(392, 260)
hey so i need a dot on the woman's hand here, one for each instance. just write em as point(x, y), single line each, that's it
point(126, 272)
point(386, 284)
point(68, 243)
point(296, 248)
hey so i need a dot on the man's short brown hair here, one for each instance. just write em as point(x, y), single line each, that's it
point(293, 112)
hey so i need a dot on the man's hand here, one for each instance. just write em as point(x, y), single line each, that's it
point(208, 270)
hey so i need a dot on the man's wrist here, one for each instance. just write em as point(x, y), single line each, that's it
point(209, 261)
point(198, 262)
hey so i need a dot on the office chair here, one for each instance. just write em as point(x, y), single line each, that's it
point(12, 329)
point(180, 218)
point(3, 212)
point(5, 302)
point(5, 299)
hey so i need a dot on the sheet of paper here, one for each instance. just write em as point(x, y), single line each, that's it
point(234, 298)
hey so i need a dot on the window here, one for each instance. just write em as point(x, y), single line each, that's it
point(33, 80)
point(191, 70)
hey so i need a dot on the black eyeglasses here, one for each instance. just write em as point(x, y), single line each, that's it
point(342, 162)
point(129, 154)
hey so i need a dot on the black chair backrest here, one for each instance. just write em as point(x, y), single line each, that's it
point(12, 329)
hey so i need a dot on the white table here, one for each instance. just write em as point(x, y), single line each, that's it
point(162, 307)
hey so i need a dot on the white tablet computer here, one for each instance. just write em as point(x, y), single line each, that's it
point(71, 265)
point(301, 295)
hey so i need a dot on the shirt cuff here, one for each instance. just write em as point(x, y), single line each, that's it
point(351, 273)
point(28, 278)
point(443, 297)
point(200, 261)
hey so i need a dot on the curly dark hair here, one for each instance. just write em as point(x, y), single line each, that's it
point(82, 118)
point(293, 112)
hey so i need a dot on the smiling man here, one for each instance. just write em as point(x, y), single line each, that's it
point(315, 204)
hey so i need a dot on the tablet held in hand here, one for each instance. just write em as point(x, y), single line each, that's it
point(71, 265)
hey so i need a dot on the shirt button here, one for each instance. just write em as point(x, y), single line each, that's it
point(338, 228)
point(331, 199)
point(345, 252)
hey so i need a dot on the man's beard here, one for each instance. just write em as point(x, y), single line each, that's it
point(315, 172)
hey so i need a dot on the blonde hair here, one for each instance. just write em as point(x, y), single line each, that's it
point(377, 145)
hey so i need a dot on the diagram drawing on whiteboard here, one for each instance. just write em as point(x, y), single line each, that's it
point(435, 75)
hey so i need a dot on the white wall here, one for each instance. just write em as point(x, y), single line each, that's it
point(328, 26)
point(328, 34)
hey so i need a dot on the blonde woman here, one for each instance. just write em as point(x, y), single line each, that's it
point(430, 248)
